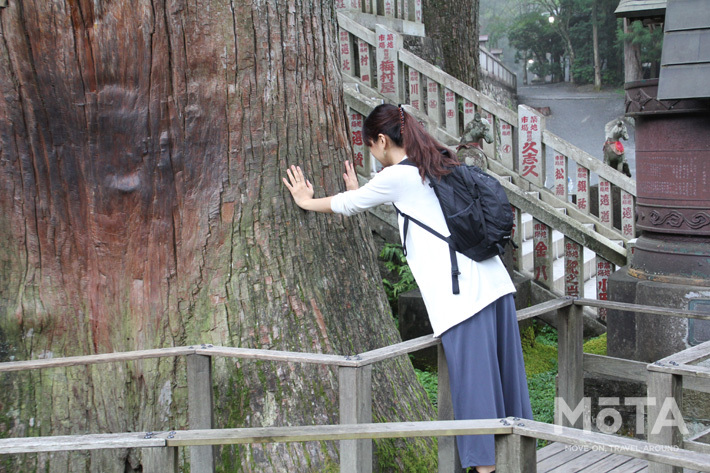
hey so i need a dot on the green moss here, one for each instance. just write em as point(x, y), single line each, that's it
point(414, 456)
point(539, 344)
point(596, 346)
point(232, 411)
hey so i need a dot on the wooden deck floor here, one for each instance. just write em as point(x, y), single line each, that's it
point(562, 458)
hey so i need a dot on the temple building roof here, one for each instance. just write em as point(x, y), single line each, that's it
point(685, 60)
point(640, 8)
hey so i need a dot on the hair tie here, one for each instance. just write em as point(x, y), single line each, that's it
point(401, 119)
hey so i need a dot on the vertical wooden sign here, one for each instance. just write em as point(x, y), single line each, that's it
point(389, 8)
point(542, 253)
point(415, 92)
point(574, 264)
point(365, 68)
point(583, 189)
point(388, 43)
point(418, 11)
point(605, 212)
point(628, 224)
point(432, 100)
point(362, 165)
point(560, 186)
point(505, 151)
point(604, 270)
point(450, 112)
point(530, 155)
point(469, 111)
point(346, 53)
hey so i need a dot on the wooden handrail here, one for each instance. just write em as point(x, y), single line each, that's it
point(500, 427)
point(355, 379)
point(646, 309)
point(231, 352)
point(354, 361)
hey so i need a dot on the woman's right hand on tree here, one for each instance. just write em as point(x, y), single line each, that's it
point(300, 188)
point(350, 177)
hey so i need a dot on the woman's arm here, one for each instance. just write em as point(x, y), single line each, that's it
point(302, 190)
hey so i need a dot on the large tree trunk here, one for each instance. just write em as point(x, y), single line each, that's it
point(142, 147)
point(454, 23)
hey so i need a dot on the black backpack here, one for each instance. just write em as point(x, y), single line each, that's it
point(477, 212)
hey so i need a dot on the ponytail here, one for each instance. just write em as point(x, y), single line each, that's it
point(431, 157)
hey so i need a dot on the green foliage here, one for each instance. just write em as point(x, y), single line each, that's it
point(396, 263)
point(541, 387)
point(430, 381)
point(540, 355)
point(528, 29)
point(532, 36)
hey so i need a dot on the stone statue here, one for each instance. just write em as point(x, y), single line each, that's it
point(469, 150)
point(613, 149)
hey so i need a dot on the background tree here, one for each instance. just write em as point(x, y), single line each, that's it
point(454, 24)
point(576, 23)
point(645, 43)
point(533, 38)
point(141, 152)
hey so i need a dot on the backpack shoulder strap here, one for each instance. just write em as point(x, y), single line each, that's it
point(452, 253)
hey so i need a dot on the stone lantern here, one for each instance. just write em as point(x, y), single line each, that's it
point(670, 265)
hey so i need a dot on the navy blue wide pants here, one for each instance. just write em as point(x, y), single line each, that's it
point(487, 374)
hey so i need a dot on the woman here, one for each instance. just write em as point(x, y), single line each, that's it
point(478, 327)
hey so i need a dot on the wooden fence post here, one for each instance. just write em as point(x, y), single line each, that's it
point(449, 461)
point(162, 459)
point(664, 388)
point(570, 375)
point(355, 386)
point(515, 454)
point(200, 409)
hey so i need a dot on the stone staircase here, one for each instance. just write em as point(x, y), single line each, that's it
point(562, 246)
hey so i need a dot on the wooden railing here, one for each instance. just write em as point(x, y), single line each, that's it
point(515, 446)
point(540, 165)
